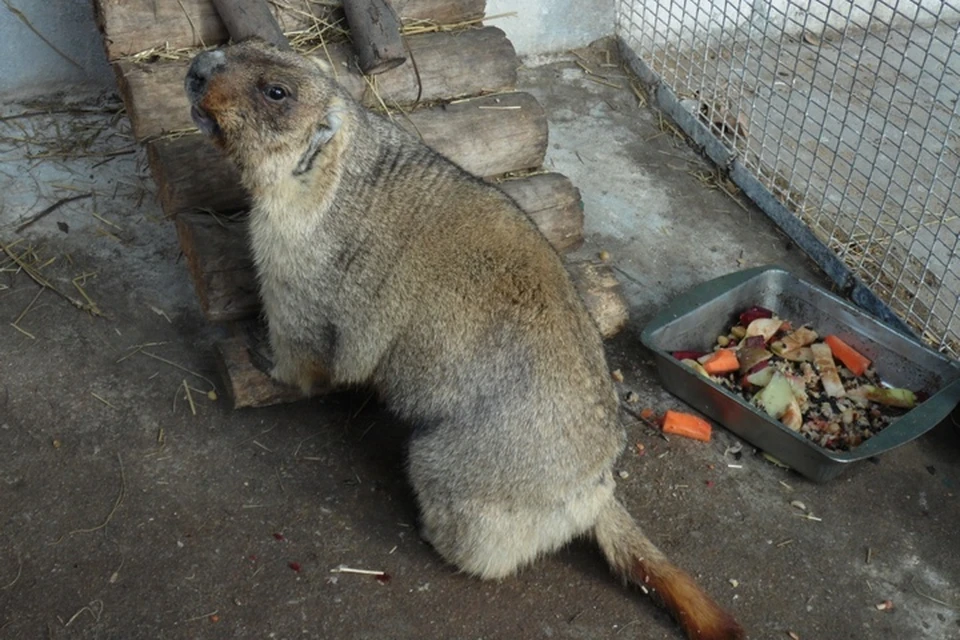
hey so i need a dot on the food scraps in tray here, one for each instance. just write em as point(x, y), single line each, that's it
point(818, 386)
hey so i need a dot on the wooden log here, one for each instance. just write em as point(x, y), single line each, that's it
point(485, 135)
point(251, 18)
point(375, 32)
point(488, 136)
point(243, 359)
point(448, 65)
point(444, 12)
point(220, 266)
point(554, 205)
point(602, 295)
point(132, 26)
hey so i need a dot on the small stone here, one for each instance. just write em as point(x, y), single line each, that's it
point(734, 583)
point(617, 375)
point(623, 475)
point(604, 256)
point(632, 397)
point(57, 444)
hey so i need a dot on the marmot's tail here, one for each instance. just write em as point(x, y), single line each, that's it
point(637, 560)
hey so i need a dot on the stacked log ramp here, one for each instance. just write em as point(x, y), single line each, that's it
point(457, 91)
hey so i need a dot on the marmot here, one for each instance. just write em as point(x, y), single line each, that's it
point(382, 263)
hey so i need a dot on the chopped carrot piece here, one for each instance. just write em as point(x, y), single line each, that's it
point(721, 361)
point(850, 357)
point(686, 425)
point(647, 414)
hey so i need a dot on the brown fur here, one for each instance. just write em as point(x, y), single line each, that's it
point(382, 263)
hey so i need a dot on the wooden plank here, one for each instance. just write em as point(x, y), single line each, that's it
point(191, 174)
point(375, 32)
point(243, 358)
point(220, 265)
point(251, 18)
point(448, 65)
point(244, 369)
point(132, 26)
point(222, 271)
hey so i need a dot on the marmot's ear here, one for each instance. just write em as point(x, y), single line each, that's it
point(322, 134)
point(322, 62)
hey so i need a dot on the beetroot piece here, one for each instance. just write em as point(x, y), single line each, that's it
point(760, 366)
point(689, 355)
point(754, 342)
point(759, 375)
point(754, 313)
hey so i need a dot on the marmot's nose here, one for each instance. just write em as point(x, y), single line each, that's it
point(204, 65)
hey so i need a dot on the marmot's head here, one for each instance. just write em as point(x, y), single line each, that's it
point(264, 105)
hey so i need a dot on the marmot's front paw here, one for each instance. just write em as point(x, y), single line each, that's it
point(290, 375)
point(302, 376)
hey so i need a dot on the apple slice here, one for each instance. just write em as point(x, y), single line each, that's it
point(827, 369)
point(766, 327)
point(776, 397)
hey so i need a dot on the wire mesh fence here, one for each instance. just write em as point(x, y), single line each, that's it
point(847, 112)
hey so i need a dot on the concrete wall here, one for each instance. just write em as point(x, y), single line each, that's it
point(547, 26)
point(29, 66)
point(679, 22)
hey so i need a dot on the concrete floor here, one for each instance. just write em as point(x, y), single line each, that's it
point(124, 515)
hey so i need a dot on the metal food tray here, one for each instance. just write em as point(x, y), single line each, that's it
point(695, 319)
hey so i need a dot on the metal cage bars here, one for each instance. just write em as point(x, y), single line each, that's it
point(846, 112)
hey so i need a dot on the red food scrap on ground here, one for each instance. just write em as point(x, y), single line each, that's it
point(295, 566)
point(383, 578)
point(278, 536)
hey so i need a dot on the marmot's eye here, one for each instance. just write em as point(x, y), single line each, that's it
point(276, 93)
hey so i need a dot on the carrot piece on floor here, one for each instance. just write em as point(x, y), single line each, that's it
point(687, 425)
point(647, 414)
point(850, 357)
point(721, 361)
